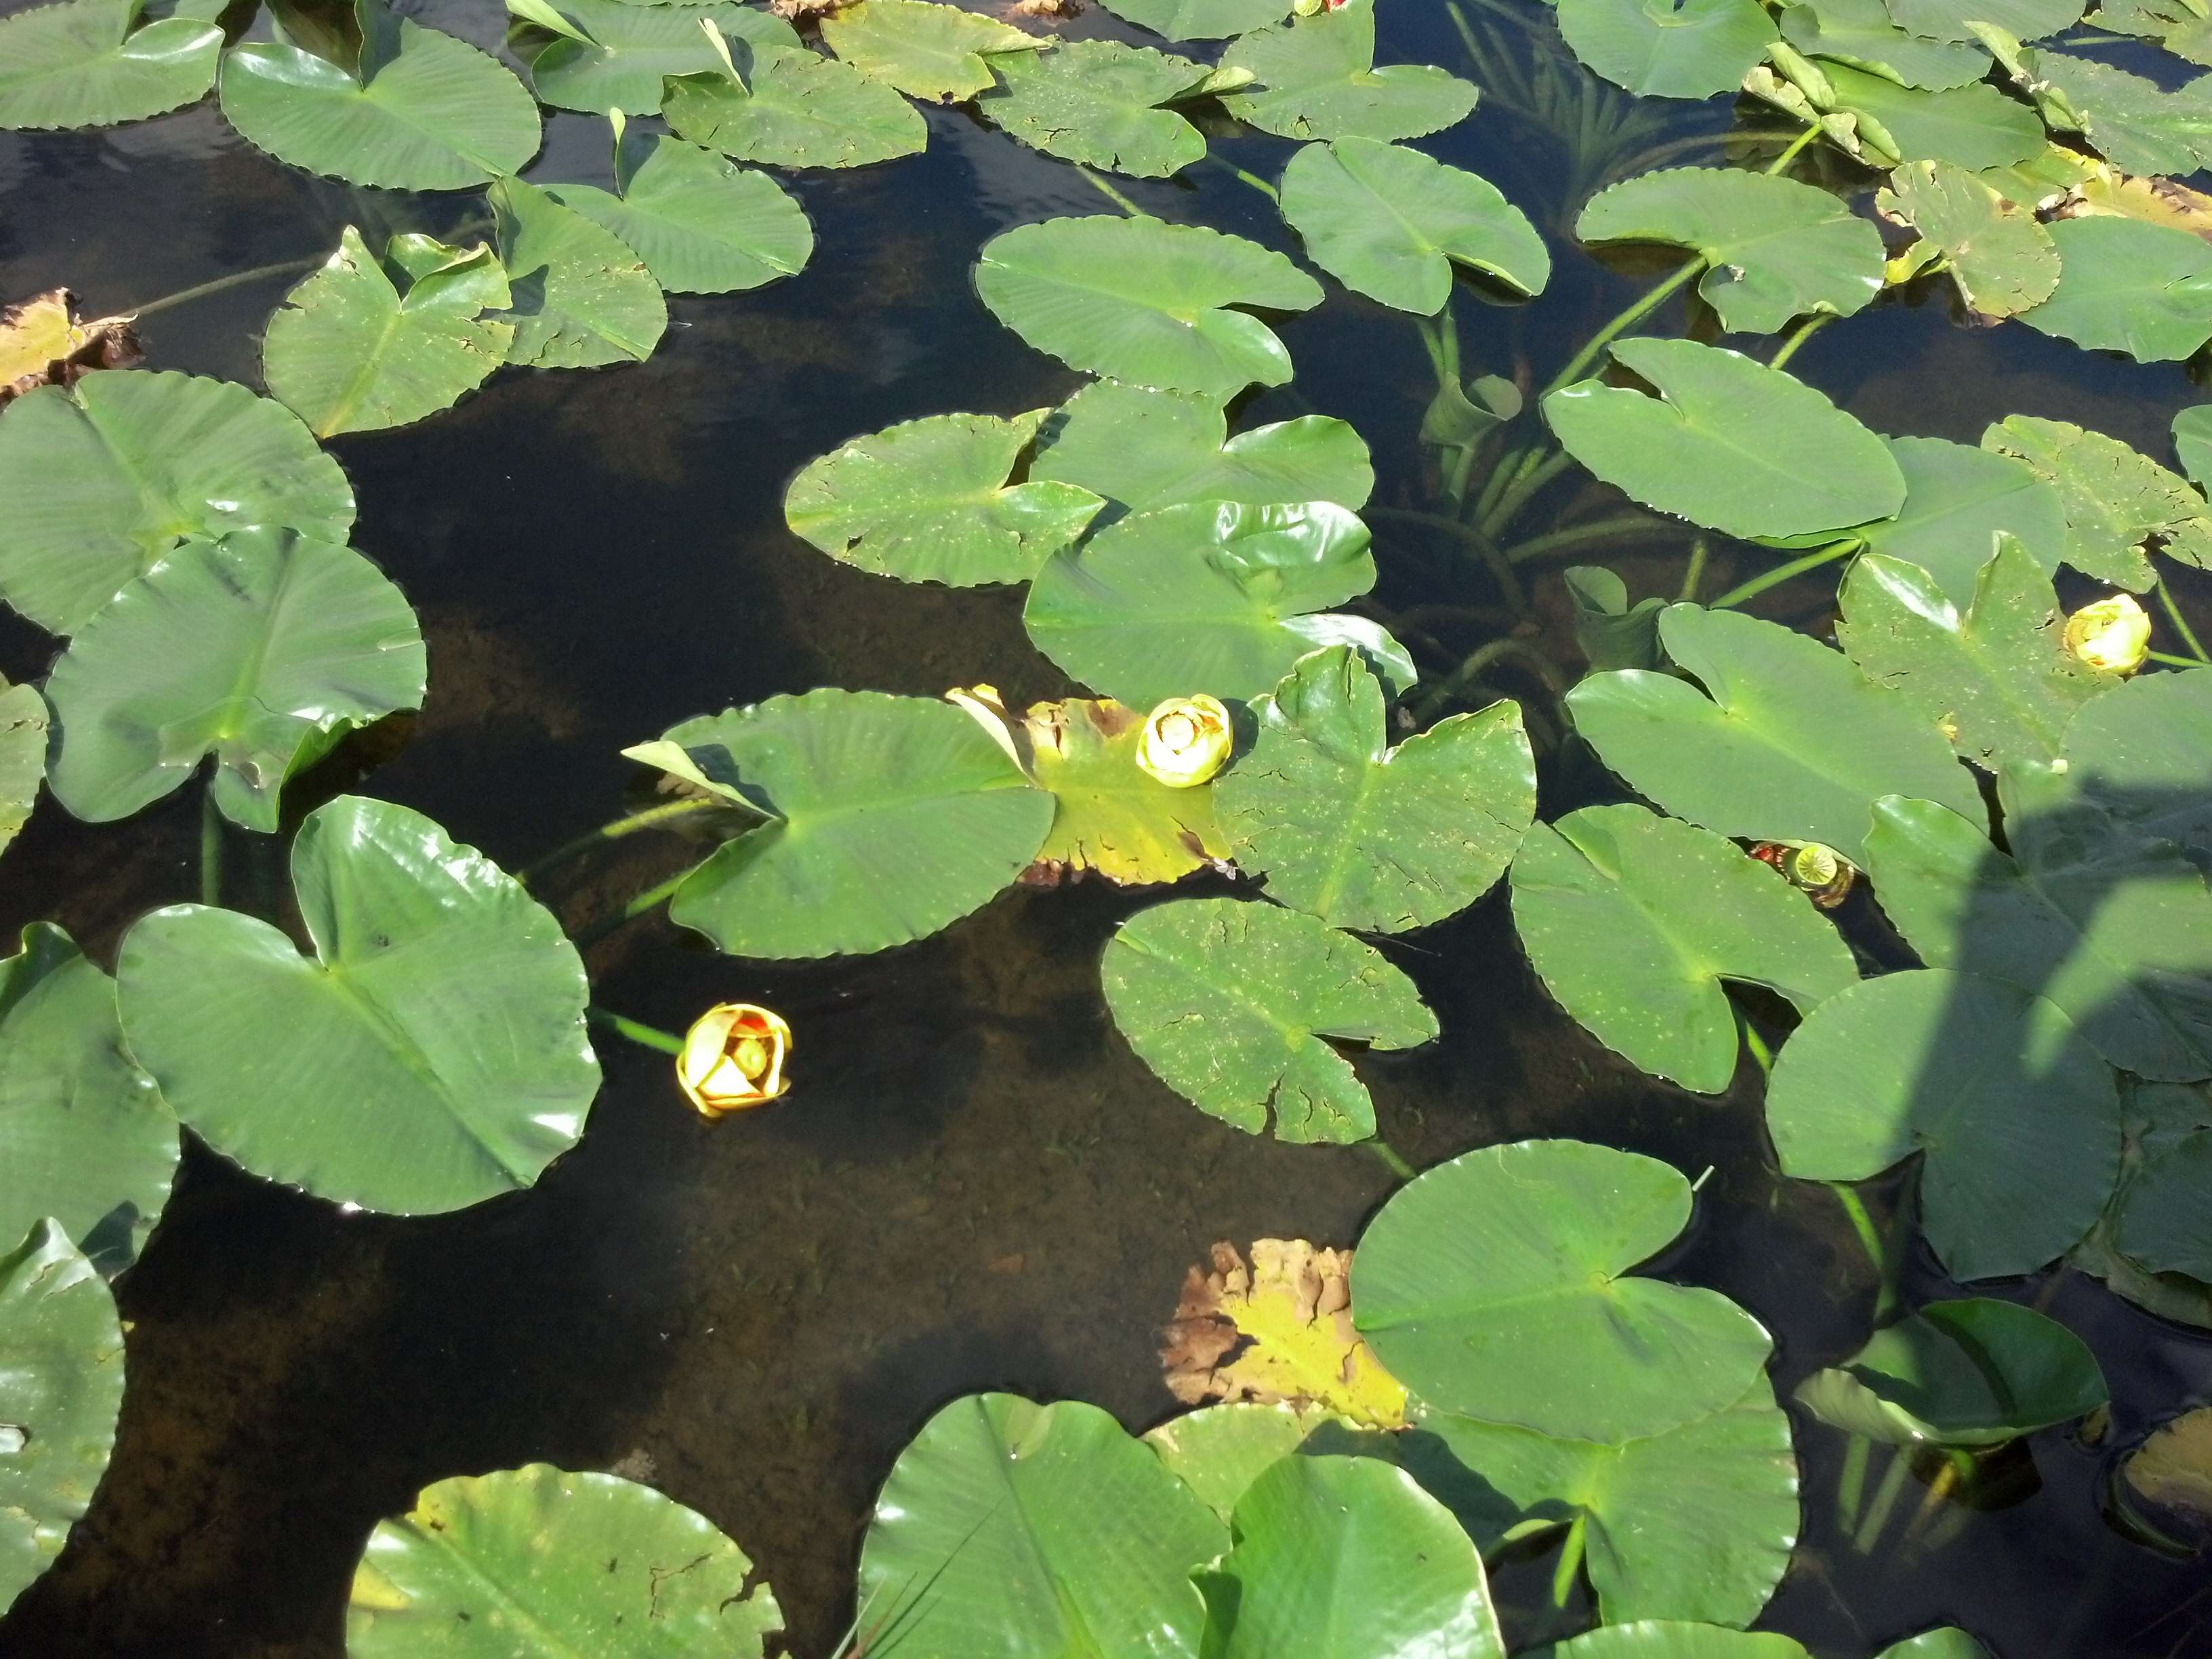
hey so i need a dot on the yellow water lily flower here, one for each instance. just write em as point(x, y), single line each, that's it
point(1822, 873)
point(2111, 636)
point(734, 1058)
point(1185, 741)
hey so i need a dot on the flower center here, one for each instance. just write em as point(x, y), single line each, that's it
point(750, 1056)
point(1179, 731)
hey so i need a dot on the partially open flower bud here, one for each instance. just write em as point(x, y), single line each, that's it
point(734, 1058)
point(2111, 635)
point(1822, 873)
point(1185, 741)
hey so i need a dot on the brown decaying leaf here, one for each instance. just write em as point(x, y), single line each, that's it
point(796, 11)
point(42, 344)
point(1044, 8)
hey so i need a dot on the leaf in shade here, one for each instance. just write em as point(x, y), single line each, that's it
point(2116, 499)
point(1101, 103)
point(94, 62)
point(601, 55)
point(1611, 632)
point(700, 225)
point(794, 108)
point(2143, 753)
point(2000, 255)
point(581, 299)
point(925, 49)
point(2193, 442)
point(2124, 286)
point(1314, 77)
point(1961, 502)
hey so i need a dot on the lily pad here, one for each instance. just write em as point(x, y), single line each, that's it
point(892, 817)
point(1390, 222)
point(2127, 286)
point(1973, 126)
point(929, 501)
point(1727, 443)
point(794, 109)
point(1612, 632)
point(1633, 921)
point(2136, 123)
point(2193, 442)
point(1792, 742)
point(1960, 503)
point(2143, 753)
point(600, 55)
point(1218, 1451)
point(350, 352)
point(430, 1055)
point(1948, 1642)
point(94, 62)
point(1145, 301)
point(1936, 1064)
point(1672, 1638)
point(2000, 255)
point(1314, 77)
point(1658, 48)
point(23, 726)
point(581, 298)
point(1773, 248)
point(84, 1136)
point(61, 1390)
point(546, 1563)
point(103, 478)
point(1497, 1286)
point(1141, 449)
point(1110, 816)
point(1199, 20)
point(1213, 596)
point(1234, 1005)
point(1861, 33)
point(412, 108)
point(1947, 20)
point(2116, 499)
point(700, 225)
point(2170, 1474)
point(1009, 1529)
point(1098, 102)
point(925, 49)
point(1363, 834)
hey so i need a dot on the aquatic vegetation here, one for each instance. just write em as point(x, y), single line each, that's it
point(733, 1059)
point(44, 342)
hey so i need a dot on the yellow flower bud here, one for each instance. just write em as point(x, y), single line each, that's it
point(734, 1058)
point(2111, 636)
point(1185, 741)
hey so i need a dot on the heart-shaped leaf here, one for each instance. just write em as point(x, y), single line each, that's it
point(2162, 1224)
point(23, 726)
point(1099, 102)
point(2143, 753)
point(1946, 20)
point(1109, 815)
point(601, 55)
point(700, 225)
point(92, 62)
point(793, 108)
point(925, 49)
point(1861, 33)
point(1314, 77)
point(2126, 286)
point(2116, 499)
point(581, 298)
point(1960, 503)
point(1199, 20)
point(2001, 256)
point(1658, 48)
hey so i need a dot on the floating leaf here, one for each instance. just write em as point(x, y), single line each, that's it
point(1791, 744)
point(43, 342)
point(1937, 1063)
point(1360, 834)
point(1860, 33)
point(2138, 124)
point(61, 1390)
point(1213, 596)
point(1727, 443)
point(418, 109)
point(929, 501)
point(84, 1137)
point(2193, 442)
point(1667, 1638)
point(2116, 499)
point(1314, 77)
point(104, 478)
point(700, 225)
point(546, 1563)
point(2171, 1472)
point(1145, 301)
point(1948, 1642)
point(2124, 286)
point(1199, 20)
point(1037, 1529)
point(1109, 816)
point(581, 298)
point(1611, 632)
point(1390, 223)
point(1345, 1558)
point(23, 724)
point(1973, 1372)
point(1143, 449)
point(1232, 1005)
point(2180, 26)
point(1657, 48)
point(1973, 126)
point(1960, 503)
point(1632, 921)
point(94, 62)
point(1218, 1451)
point(430, 1055)
point(893, 817)
point(1278, 1331)
point(1099, 102)
point(2143, 753)
point(2002, 259)
point(349, 352)
point(1495, 1286)
point(601, 55)
point(1774, 249)
point(926, 50)
point(1946, 20)
point(793, 108)
point(260, 650)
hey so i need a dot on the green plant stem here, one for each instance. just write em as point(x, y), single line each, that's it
point(1598, 530)
point(1470, 670)
point(1806, 330)
point(1390, 1157)
point(1570, 1566)
point(1532, 480)
point(1878, 1249)
point(1627, 319)
point(2181, 624)
point(1112, 194)
point(1958, 1472)
point(2172, 661)
point(184, 297)
point(1465, 34)
point(1486, 550)
point(1762, 1056)
point(646, 1036)
point(1695, 574)
point(1850, 1483)
point(1782, 573)
point(1251, 179)
point(210, 846)
point(1781, 163)
point(615, 831)
point(1885, 1500)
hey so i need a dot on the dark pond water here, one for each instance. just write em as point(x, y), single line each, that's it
point(975, 1185)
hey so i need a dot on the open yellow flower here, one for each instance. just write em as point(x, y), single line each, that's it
point(1185, 741)
point(734, 1058)
point(2111, 636)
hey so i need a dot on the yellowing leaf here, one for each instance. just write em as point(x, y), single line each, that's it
point(1111, 816)
point(41, 344)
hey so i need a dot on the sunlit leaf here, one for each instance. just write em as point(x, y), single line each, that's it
point(1199, 20)
point(2002, 258)
point(1657, 48)
point(1218, 1451)
point(2136, 123)
point(793, 108)
point(581, 298)
point(1861, 33)
point(1668, 1638)
point(1099, 102)
point(23, 726)
point(700, 225)
point(2117, 499)
point(94, 63)
point(2124, 286)
point(2193, 442)
point(925, 49)
point(1948, 20)
point(1110, 816)
point(2143, 753)
point(1314, 77)
point(43, 341)
point(598, 55)
point(2180, 26)
point(1974, 126)
point(1959, 503)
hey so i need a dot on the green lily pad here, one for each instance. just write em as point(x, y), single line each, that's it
point(2163, 1226)
point(2000, 255)
point(700, 225)
point(349, 352)
point(2180, 26)
point(2193, 442)
point(1791, 744)
point(94, 62)
point(2140, 126)
point(892, 817)
point(1110, 816)
point(1947, 20)
point(794, 109)
point(84, 1136)
point(1141, 449)
point(23, 724)
point(2116, 499)
point(545, 1564)
point(1212, 596)
point(600, 55)
point(1219, 1450)
point(1998, 679)
point(429, 1055)
point(103, 478)
point(1009, 1529)
point(2127, 286)
point(259, 650)
point(926, 50)
point(61, 1390)
point(1861, 33)
point(1199, 20)
point(1363, 834)
point(1960, 503)
point(1695, 1523)
point(1496, 1287)
point(927, 501)
point(1936, 1063)
point(581, 298)
point(1656, 48)
point(1974, 126)
point(1612, 632)
point(1145, 301)
point(2143, 753)
point(415, 109)
point(1672, 1638)
point(1948, 1642)
point(1099, 102)
point(1773, 248)
point(1345, 1558)
point(1727, 443)
point(1390, 223)
point(1314, 77)
point(1233, 1006)
point(1973, 1372)
point(1633, 920)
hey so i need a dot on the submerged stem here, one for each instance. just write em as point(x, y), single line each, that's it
point(1877, 1249)
point(210, 846)
point(646, 1036)
point(1782, 573)
point(1851, 1485)
point(1598, 530)
point(2181, 624)
point(1390, 1157)
point(1695, 574)
point(184, 297)
point(1781, 163)
point(1627, 319)
point(1114, 195)
point(615, 831)
point(1806, 330)
point(1570, 1561)
point(1885, 1500)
